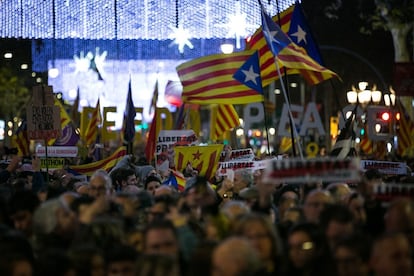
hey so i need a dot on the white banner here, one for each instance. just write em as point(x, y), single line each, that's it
point(296, 170)
point(385, 167)
point(53, 151)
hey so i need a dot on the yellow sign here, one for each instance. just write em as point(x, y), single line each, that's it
point(52, 163)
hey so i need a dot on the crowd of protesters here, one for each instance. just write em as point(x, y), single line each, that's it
point(127, 222)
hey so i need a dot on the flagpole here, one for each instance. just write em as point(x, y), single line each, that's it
point(266, 127)
point(287, 98)
point(294, 134)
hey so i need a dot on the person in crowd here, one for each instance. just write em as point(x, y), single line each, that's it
point(399, 217)
point(355, 202)
point(337, 222)
point(54, 223)
point(243, 178)
point(391, 255)
point(200, 263)
point(236, 256)
point(308, 251)
point(161, 238)
point(22, 205)
point(87, 259)
point(157, 265)
point(152, 183)
point(123, 177)
point(352, 255)
point(374, 209)
point(314, 203)
point(262, 234)
point(100, 184)
point(338, 191)
point(120, 260)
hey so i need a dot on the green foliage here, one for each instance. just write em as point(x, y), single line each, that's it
point(13, 94)
point(395, 12)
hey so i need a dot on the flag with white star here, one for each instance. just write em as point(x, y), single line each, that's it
point(249, 73)
point(275, 37)
point(301, 34)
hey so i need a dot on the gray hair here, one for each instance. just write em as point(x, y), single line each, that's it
point(103, 174)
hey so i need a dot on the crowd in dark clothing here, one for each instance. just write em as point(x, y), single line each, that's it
point(127, 222)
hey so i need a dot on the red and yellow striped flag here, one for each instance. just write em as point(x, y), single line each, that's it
point(293, 57)
point(366, 146)
point(204, 159)
point(405, 132)
point(21, 139)
point(93, 125)
point(106, 164)
point(223, 117)
point(209, 80)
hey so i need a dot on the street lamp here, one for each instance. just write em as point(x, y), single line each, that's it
point(363, 95)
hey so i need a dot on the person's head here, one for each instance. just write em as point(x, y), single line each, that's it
point(55, 216)
point(100, 184)
point(338, 191)
point(400, 217)
point(161, 207)
point(314, 203)
point(259, 230)
point(235, 256)
point(371, 179)
point(391, 255)
point(122, 177)
point(355, 202)
point(233, 209)
point(306, 243)
point(21, 208)
point(287, 200)
point(152, 183)
point(352, 255)
point(144, 172)
point(160, 238)
point(87, 259)
point(337, 223)
point(242, 178)
point(120, 260)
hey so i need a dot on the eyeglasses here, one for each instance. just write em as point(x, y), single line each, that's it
point(302, 246)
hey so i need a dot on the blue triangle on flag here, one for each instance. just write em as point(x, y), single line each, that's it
point(249, 73)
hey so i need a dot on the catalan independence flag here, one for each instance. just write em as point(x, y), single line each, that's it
point(209, 80)
point(223, 117)
point(204, 159)
point(293, 57)
point(107, 164)
point(21, 139)
point(175, 179)
point(93, 126)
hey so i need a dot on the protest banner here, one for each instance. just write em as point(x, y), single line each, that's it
point(297, 170)
point(166, 141)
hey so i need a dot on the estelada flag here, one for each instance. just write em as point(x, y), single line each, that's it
point(106, 164)
point(204, 159)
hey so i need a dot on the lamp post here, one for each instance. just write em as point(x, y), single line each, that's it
point(375, 115)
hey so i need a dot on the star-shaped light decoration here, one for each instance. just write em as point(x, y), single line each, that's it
point(180, 37)
point(95, 62)
point(237, 25)
point(300, 35)
point(82, 63)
